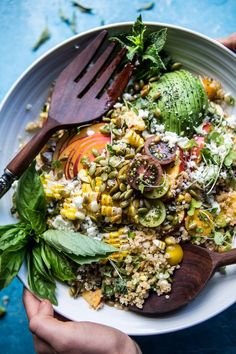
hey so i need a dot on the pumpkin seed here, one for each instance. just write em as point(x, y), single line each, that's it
point(85, 161)
point(129, 156)
point(95, 152)
point(114, 161)
point(156, 95)
point(136, 86)
point(141, 84)
point(123, 187)
point(157, 112)
point(99, 158)
point(111, 183)
point(145, 90)
point(106, 119)
point(103, 162)
point(142, 210)
point(122, 178)
point(93, 183)
point(102, 187)
point(104, 176)
point(124, 204)
point(128, 194)
point(106, 130)
point(98, 171)
point(116, 196)
point(154, 78)
point(113, 174)
point(93, 218)
point(176, 66)
point(92, 169)
point(140, 148)
point(114, 189)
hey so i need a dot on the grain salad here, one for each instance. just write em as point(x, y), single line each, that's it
point(122, 195)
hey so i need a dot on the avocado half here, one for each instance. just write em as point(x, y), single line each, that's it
point(183, 101)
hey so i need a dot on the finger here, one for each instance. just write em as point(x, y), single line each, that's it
point(31, 303)
point(45, 309)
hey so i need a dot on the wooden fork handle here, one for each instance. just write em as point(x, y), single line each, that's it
point(25, 156)
point(224, 259)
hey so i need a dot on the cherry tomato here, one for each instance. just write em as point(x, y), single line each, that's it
point(160, 150)
point(196, 150)
point(144, 173)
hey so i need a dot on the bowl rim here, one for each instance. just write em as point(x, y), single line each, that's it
point(214, 42)
point(110, 26)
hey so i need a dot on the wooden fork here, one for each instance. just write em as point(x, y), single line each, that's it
point(75, 101)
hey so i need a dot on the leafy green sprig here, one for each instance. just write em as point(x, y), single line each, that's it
point(50, 254)
point(147, 48)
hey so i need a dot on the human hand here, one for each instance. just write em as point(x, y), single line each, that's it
point(53, 336)
point(229, 42)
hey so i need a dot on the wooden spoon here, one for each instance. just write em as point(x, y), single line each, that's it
point(196, 269)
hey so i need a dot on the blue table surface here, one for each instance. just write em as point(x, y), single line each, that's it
point(21, 23)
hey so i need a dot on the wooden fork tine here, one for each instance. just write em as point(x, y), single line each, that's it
point(91, 74)
point(105, 76)
point(75, 68)
point(119, 84)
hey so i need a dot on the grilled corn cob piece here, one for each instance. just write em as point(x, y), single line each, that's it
point(133, 139)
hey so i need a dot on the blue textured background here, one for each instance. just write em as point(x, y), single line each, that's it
point(21, 22)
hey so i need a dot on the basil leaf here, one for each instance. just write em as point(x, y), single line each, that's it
point(15, 237)
point(10, 263)
point(77, 244)
point(30, 199)
point(43, 286)
point(59, 265)
point(39, 263)
point(84, 260)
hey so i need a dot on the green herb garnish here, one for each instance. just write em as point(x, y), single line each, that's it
point(146, 47)
point(195, 204)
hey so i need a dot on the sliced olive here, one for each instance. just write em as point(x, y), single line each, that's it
point(160, 150)
point(159, 191)
point(155, 216)
point(144, 173)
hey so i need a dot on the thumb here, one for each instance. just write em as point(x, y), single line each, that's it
point(45, 309)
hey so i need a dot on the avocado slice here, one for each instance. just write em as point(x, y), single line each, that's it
point(183, 101)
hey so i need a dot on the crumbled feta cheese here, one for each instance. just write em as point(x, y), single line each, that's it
point(127, 96)
point(143, 113)
point(61, 224)
point(231, 121)
point(171, 138)
point(78, 202)
point(118, 105)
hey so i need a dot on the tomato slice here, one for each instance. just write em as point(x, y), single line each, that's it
point(200, 224)
point(159, 191)
point(160, 150)
point(196, 150)
point(155, 216)
point(144, 173)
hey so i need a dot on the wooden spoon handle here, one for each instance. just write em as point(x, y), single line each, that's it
point(23, 159)
point(224, 259)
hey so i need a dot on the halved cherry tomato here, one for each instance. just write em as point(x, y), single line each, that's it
point(144, 173)
point(196, 150)
point(200, 223)
point(159, 150)
point(207, 127)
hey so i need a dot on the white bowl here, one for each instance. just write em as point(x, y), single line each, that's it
point(197, 53)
